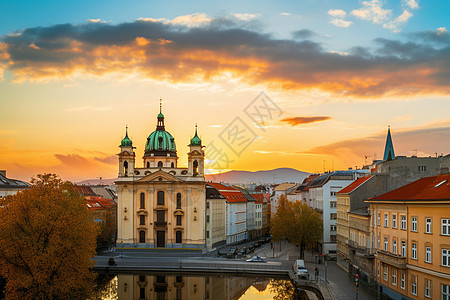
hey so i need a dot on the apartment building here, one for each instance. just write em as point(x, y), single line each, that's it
point(411, 229)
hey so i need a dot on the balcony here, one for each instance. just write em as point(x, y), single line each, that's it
point(160, 224)
point(391, 259)
point(361, 250)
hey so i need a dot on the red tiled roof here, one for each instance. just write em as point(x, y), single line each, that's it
point(231, 194)
point(428, 188)
point(260, 197)
point(354, 185)
point(85, 190)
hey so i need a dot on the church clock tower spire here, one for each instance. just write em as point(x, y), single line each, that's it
point(389, 147)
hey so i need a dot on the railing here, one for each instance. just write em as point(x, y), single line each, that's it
point(160, 224)
point(391, 259)
point(361, 250)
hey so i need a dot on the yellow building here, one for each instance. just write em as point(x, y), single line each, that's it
point(411, 227)
point(159, 204)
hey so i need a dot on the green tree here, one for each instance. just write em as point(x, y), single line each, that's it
point(47, 241)
point(298, 222)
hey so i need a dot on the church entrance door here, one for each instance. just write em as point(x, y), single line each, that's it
point(160, 239)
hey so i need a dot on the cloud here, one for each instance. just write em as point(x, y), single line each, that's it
point(304, 34)
point(405, 143)
point(245, 17)
point(372, 11)
point(110, 160)
point(338, 13)
point(441, 30)
point(413, 4)
point(72, 160)
point(340, 23)
point(177, 52)
point(285, 14)
point(304, 120)
point(96, 21)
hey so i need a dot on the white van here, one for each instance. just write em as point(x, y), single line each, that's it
point(300, 270)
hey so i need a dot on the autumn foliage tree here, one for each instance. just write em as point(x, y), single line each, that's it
point(298, 222)
point(47, 240)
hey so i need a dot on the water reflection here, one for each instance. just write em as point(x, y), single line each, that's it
point(161, 286)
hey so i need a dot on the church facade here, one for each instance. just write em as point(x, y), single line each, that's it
point(159, 204)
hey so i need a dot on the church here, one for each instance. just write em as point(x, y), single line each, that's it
point(159, 204)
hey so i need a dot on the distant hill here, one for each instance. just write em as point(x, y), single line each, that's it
point(259, 177)
point(277, 176)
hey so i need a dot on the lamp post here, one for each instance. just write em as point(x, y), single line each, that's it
point(356, 283)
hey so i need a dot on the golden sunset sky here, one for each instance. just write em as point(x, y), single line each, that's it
point(333, 74)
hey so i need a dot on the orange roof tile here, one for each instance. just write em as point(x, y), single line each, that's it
point(231, 194)
point(354, 185)
point(260, 197)
point(428, 188)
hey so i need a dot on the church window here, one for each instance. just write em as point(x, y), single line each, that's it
point(142, 198)
point(160, 143)
point(148, 164)
point(125, 168)
point(195, 165)
point(160, 164)
point(178, 200)
point(160, 198)
point(172, 165)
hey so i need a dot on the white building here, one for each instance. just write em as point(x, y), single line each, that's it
point(322, 197)
point(281, 189)
point(236, 213)
point(10, 186)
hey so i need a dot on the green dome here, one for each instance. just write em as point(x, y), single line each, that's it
point(160, 140)
point(160, 115)
point(126, 142)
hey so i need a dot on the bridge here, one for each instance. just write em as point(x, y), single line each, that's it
point(209, 265)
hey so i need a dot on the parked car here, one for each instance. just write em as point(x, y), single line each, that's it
point(231, 253)
point(256, 244)
point(262, 240)
point(242, 252)
point(255, 259)
point(250, 249)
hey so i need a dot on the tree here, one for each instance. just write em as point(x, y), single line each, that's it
point(107, 231)
point(279, 227)
point(298, 222)
point(306, 227)
point(47, 240)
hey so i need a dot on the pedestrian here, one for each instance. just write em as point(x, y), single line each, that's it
point(317, 272)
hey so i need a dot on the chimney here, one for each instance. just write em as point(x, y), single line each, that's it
point(3, 172)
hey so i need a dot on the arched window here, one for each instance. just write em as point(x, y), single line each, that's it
point(178, 200)
point(125, 168)
point(160, 164)
point(195, 165)
point(148, 164)
point(160, 198)
point(142, 200)
point(172, 165)
point(178, 237)
point(142, 236)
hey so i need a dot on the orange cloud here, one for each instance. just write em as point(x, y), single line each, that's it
point(304, 120)
point(177, 53)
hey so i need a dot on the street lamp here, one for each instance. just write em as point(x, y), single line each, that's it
point(356, 282)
